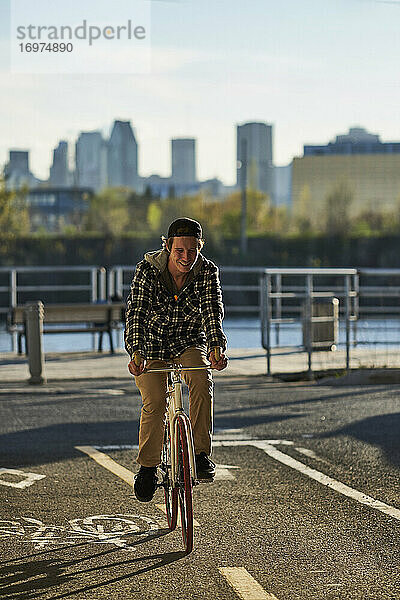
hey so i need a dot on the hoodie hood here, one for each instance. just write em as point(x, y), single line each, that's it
point(159, 260)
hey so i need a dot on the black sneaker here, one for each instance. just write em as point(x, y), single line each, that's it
point(204, 466)
point(145, 484)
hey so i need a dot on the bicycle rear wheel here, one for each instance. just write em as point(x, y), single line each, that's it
point(185, 483)
point(170, 492)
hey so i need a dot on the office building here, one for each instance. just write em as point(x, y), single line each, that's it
point(372, 182)
point(60, 175)
point(357, 141)
point(254, 157)
point(122, 156)
point(55, 207)
point(183, 156)
point(91, 160)
point(17, 172)
point(282, 195)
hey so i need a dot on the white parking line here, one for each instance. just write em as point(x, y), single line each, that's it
point(244, 584)
point(342, 488)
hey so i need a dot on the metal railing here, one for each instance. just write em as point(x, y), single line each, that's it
point(19, 285)
point(301, 298)
point(119, 280)
point(278, 297)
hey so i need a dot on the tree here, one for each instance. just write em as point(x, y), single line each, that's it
point(108, 212)
point(338, 205)
point(14, 215)
point(303, 211)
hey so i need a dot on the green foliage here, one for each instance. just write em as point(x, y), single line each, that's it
point(14, 217)
point(338, 206)
point(154, 216)
point(108, 212)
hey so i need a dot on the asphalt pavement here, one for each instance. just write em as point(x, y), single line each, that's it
point(306, 503)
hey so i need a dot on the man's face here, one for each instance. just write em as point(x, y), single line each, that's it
point(184, 253)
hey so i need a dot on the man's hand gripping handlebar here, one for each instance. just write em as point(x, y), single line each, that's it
point(137, 365)
point(217, 359)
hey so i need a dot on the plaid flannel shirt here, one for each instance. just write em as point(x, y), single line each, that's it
point(161, 326)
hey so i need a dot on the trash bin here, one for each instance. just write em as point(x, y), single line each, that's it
point(324, 332)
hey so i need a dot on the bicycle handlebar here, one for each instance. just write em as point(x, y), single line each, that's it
point(137, 359)
point(179, 368)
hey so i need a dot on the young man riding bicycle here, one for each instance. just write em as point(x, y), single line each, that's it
point(174, 312)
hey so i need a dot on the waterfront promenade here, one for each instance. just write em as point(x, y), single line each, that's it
point(243, 362)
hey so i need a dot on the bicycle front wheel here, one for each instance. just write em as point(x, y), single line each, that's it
point(170, 492)
point(185, 482)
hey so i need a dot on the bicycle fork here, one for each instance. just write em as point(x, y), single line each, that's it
point(175, 410)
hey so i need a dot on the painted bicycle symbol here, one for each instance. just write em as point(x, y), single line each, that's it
point(119, 530)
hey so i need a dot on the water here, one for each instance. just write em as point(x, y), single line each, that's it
point(241, 333)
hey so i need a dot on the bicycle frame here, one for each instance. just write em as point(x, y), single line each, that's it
point(174, 409)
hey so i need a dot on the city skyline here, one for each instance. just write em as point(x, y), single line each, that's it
point(238, 127)
point(311, 69)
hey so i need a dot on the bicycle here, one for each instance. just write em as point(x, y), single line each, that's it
point(178, 464)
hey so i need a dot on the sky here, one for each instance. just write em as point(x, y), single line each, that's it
point(311, 68)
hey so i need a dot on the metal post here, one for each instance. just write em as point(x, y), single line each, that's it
point(120, 282)
point(308, 323)
point(268, 309)
point(347, 312)
point(34, 313)
point(13, 303)
point(278, 289)
point(102, 276)
point(93, 281)
point(243, 180)
point(356, 307)
point(111, 282)
point(94, 297)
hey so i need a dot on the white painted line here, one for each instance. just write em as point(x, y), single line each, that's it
point(222, 473)
point(244, 584)
point(342, 488)
point(179, 523)
point(27, 478)
point(105, 392)
point(120, 447)
point(108, 463)
point(251, 442)
point(311, 454)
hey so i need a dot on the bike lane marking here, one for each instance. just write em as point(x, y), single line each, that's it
point(244, 584)
point(108, 463)
point(329, 482)
point(27, 478)
point(222, 472)
point(179, 522)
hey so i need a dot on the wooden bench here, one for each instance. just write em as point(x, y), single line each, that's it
point(82, 318)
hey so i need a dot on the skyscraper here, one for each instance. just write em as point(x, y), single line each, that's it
point(183, 156)
point(59, 172)
point(91, 160)
point(254, 157)
point(17, 172)
point(122, 156)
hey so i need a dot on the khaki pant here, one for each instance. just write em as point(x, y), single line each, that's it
point(153, 386)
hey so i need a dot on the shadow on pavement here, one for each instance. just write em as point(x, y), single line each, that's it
point(40, 578)
point(56, 442)
point(381, 431)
